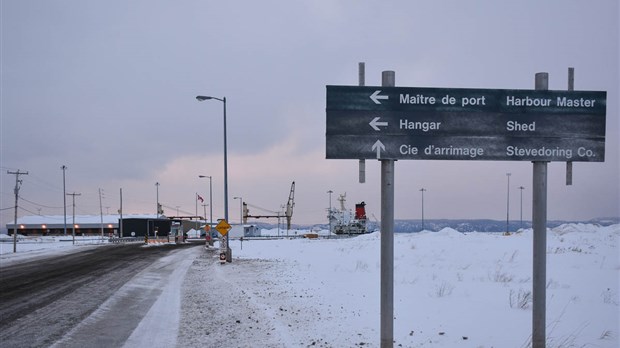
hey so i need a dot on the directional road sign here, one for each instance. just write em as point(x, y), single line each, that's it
point(465, 124)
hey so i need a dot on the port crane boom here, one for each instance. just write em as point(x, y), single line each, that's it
point(288, 212)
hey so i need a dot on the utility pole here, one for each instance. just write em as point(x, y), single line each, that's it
point(17, 186)
point(101, 213)
point(73, 229)
point(422, 190)
point(508, 204)
point(210, 204)
point(196, 199)
point(240, 210)
point(521, 214)
point(329, 212)
point(64, 196)
point(157, 186)
point(120, 212)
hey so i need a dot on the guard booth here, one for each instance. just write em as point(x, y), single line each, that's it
point(140, 227)
point(176, 232)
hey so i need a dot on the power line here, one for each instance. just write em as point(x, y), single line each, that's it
point(41, 182)
point(175, 209)
point(263, 209)
point(47, 217)
point(39, 204)
point(26, 210)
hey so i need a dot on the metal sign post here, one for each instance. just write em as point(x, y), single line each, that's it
point(569, 164)
point(388, 78)
point(223, 227)
point(362, 82)
point(539, 224)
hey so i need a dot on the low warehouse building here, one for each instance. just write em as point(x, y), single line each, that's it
point(91, 225)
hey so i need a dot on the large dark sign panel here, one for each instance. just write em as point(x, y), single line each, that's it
point(465, 124)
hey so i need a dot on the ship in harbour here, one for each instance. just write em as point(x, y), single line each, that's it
point(343, 221)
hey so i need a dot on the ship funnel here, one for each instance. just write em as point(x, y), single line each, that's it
point(360, 211)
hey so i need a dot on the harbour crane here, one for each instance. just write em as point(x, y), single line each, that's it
point(288, 212)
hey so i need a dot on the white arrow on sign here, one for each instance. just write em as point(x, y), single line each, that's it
point(375, 97)
point(375, 124)
point(378, 146)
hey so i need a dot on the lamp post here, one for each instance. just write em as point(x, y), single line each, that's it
point(223, 100)
point(64, 196)
point(73, 196)
point(508, 203)
point(157, 190)
point(240, 209)
point(196, 199)
point(210, 199)
point(422, 190)
point(521, 188)
point(204, 207)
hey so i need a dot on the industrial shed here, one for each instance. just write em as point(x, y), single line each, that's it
point(141, 226)
point(42, 225)
point(91, 225)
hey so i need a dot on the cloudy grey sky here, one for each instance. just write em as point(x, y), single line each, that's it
point(108, 89)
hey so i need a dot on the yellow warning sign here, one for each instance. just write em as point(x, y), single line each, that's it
point(223, 227)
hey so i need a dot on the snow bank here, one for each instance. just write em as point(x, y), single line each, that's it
point(450, 289)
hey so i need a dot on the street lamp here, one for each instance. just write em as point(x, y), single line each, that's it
point(210, 200)
point(204, 207)
point(223, 100)
point(521, 188)
point(422, 190)
point(73, 196)
point(508, 203)
point(157, 188)
point(240, 209)
point(64, 198)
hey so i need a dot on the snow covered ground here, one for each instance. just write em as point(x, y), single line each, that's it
point(29, 248)
point(451, 290)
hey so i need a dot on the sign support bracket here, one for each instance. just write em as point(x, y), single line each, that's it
point(361, 71)
point(569, 164)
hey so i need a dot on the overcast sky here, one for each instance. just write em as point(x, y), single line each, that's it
point(108, 89)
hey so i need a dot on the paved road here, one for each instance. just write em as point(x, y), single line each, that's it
point(42, 300)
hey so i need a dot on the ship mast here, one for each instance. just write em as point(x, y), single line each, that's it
point(342, 199)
